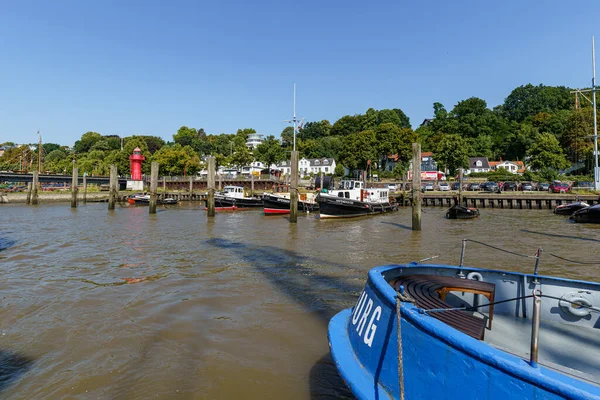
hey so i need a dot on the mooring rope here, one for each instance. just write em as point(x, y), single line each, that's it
point(574, 261)
point(401, 297)
point(499, 249)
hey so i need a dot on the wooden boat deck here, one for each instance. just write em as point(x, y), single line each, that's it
point(560, 345)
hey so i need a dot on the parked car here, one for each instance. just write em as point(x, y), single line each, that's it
point(392, 187)
point(455, 185)
point(489, 186)
point(584, 185)
point(427, 186)
point(558, 187)
point(510, 186)
point(474, 186)
point(543, 186)
point(444, 186)
point(526, 186)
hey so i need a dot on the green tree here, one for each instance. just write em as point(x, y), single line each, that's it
point(359, 148)
point(87, 140)
point(287, 136)
point(452, 152)
point(339, 170)
point(177, 160)
point(154, 143)
point(346, 126)
point(241, 157)
point(527, 101)
point(186, 136)
point(546, 152)
point(269, 151)
point(315, 130)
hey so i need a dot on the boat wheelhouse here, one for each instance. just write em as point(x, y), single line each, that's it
point(352, 199)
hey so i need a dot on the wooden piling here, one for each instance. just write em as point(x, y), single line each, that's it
point(460, 186)
point(191, 186)
point(29, 186)
point(251, 184)
point(74, 182)
point(35, 185)
point(294, 189)
point(416, 187)
point(322, 179)
point(112, 195)
point(210, 204)
point(84, 188)
point(153, 186)
point(220, 181)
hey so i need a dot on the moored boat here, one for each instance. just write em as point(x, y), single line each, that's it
point(569, 209)
point(352, 199)
point(279, 203)
point(234, 196)
point(461, 212)
point(144, 200)
point(469, 333)
point(589, 215)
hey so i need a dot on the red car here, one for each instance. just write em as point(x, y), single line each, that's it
point(558, 187)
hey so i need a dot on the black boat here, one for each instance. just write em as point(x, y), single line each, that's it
point(461, 212)
point(352, 200)
point(569, 209)
point(144, 200)
point(590, 215)
point(280, 204)
point(233, 196)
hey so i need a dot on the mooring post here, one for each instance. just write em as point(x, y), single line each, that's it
point(29, 186)
point(220, 181)
point(191, 186)
point(322, 179)
point(153, 186)
point(416, 187)
point(34, 197)
point(74, 182)
point(535, 328)
point(210, 202)
point(294, 189)
point(111, 187)
point(84, 187)
point(251, 184)
point(460, 186)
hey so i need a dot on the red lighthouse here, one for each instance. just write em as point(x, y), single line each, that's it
point(135, 163)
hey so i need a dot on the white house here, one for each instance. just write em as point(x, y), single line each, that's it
point(478, 164)
point(515, 167)
point(254, 168)
point(307, 166)
point(253, 140)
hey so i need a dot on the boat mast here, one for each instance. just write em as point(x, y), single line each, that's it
point(294, 120)
point(596, 172)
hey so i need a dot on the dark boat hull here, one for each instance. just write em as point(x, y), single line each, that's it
point(145, 202)
point(590, 215)
point(281, 205)
point(569, 209)
point(346, 208)
point(460, 212)
point(246, 202)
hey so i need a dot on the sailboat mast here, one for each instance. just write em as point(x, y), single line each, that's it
point(294, 120)
point(596, 172)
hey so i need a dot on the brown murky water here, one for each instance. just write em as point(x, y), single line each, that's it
point(123, 305)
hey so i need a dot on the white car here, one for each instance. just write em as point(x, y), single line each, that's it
point(444, 186)
point(392, 187)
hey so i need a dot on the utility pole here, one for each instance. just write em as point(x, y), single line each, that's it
point(39, 153)
point(294, 169)
point(593, 101)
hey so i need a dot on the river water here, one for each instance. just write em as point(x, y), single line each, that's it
point(126, 305)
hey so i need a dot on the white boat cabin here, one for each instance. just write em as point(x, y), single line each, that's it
point(355, 190)
point(234, 191)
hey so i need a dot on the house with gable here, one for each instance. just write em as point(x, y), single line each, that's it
point(306, 166)
point(478, 164)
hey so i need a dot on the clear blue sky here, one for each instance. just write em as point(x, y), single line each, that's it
point(148, 67)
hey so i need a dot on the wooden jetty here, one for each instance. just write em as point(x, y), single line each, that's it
point(500, 200)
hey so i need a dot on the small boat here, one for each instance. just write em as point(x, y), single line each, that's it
point(590, 215)
point(461, 212)
point(235, 196)
point(279, 203)
point(352, 199)
point(144, 200)
point(469, 333)
point(569, 209)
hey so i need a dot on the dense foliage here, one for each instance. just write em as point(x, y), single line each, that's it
point(536, 124)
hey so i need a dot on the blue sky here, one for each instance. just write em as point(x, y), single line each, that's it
point(148, 67)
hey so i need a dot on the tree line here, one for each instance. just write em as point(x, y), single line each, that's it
point(540, 125)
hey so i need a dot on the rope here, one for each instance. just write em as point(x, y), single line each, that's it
point(399, 299)
point(573, 261)
point(498, 248)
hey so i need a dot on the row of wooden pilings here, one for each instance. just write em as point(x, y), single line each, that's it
point(33, 188)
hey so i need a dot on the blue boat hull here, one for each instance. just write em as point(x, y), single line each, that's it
point(438, 362)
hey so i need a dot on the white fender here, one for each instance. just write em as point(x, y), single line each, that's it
point(572, 308)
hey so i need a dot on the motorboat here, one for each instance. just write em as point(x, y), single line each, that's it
point(235, 197)
point(461, 212)
point(569, 209)
point(144, 199)
point(590, 215)
point(352, 199)
point(279, 203)
point(437, 331)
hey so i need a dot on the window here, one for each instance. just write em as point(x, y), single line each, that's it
point(326, 169)
point(347, 194)
point(479, 163)
point(317, 162)
point(340, 194)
